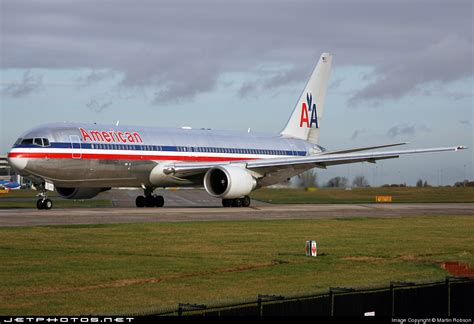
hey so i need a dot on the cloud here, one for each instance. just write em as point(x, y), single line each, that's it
point(30, 83)
point(465, 123)
point(96, 76)
point(247, 89)
point(336, 83)
point(406, 130)
point(358, 132)
point(270, 79)
point(98, 104)
point(179, 49)
point(438, 63)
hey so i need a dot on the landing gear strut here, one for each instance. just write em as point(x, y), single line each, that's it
point(149, 200)
point(43, 202)
point(237, 202)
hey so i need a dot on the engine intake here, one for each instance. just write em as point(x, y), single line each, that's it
point(228, 182)
point(79, 193)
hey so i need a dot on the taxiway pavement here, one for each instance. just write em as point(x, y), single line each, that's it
point(70, 216)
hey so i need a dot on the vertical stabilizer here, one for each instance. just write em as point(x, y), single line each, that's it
point(306, 118)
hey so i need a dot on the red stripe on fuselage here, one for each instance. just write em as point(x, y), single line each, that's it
point(89, 156)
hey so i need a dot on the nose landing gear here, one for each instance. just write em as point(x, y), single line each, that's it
point(43, 202)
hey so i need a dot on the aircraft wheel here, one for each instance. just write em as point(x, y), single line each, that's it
point(48, 204)
point(140, 201)
point(149, 201)
point(227, 202)
point(159, 201)
point(237, 202)
point(44, 204)
point(246, 201)
point(39, 204)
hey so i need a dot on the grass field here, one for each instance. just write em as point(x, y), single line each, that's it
point(124, 268)
point(365, 195)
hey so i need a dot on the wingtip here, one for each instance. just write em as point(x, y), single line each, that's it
point(461, 147)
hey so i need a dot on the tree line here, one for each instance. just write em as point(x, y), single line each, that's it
point(310, 179)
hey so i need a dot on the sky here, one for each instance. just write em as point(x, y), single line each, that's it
point(402, 71)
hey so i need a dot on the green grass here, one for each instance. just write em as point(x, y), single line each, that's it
point(98, 269)
point(365, 195)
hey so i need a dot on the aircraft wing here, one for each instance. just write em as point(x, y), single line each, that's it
point(286, 167)
point(363, 148)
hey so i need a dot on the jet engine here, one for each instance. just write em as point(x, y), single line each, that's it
point(228, 182)
point(79, 193)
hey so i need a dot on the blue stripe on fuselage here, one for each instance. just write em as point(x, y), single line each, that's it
point(167, 148)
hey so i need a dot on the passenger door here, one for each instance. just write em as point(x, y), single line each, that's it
point(76, 147)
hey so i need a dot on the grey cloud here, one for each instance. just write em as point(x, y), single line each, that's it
point(30, 83)
point(98, 105)
point(179, 49)
point(465, 123)
point(336, 83)
point(94, 77)
point(358, 132)
point(441, 62)
point(406, 130)
point(270, 79)
point(247, 89)
point(288, 76)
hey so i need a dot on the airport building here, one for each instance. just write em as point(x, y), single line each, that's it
point(7, 173)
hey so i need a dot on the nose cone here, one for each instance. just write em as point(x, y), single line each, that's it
point(17, 163)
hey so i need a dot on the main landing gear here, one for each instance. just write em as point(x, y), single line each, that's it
point(149, 200)
point(237, 202)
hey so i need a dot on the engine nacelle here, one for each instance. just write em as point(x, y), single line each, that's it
point(228, 182)
point(160, 175)
point(79, 193)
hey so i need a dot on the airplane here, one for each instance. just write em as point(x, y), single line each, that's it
point(80, 161)
point(9, 185)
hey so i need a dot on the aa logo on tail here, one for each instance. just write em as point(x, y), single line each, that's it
point(307, 108)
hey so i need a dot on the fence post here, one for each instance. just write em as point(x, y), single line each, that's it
point(262, 298)
point(393, 285)
point(392, 299)
point(332, 292)
point(448, 288)
point(331, 297)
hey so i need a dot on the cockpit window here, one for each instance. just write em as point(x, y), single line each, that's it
point(33, 141)
point(27, 141)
